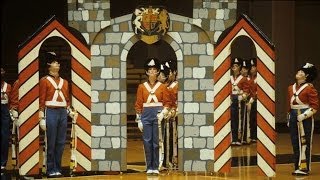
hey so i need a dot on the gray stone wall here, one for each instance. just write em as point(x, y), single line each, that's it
point(193, 41)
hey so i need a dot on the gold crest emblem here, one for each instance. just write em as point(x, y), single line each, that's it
point(150, 23)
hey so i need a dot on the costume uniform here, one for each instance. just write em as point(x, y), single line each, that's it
point(54, 101)
point(303, 102)
point(240, 86)
point(150, 101)
point(5, 121)
point(253, 111)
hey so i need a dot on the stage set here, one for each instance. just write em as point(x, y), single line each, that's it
point(106, 141)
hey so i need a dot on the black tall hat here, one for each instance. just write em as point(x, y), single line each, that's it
point(236, 61)
point(253, 61)
point(51, 57)
point(246, 63)
point(165, 69)
point(311, 72)
point(152, 62)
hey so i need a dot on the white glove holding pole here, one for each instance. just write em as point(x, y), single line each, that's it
point(138, 120)
point(307, 114)
point(71, 112)
point(163, 114)
point(42, 121)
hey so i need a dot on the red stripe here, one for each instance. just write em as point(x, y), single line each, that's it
point(45, 32)
point(29, 98)
point(243, 24)
point(79, 168)
point(28, 125)
point(81, 96)
point(84, 124)
point(222, 121)
point(81, 70)
point(266, 155)
point(266, 101)
point(34, 170)
point(266, 128)
point(222, 147)
point(266, 74)
point(222, 69)
point(226, 168)
point(29, 71)
point(222, 95)
point(260, 172)
point(84, 149)
point(29, 151)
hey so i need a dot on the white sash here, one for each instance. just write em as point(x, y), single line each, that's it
point(152, 92)
point(57, 93)
point(4, 96)
point(234, 82)
point(296, 96)
point(173, 84)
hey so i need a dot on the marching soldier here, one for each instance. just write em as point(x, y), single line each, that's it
point(53, 112)
point(151, 107)
point(252, 104)
point(240, 90)
point(245, 69)
point(304, 103)
point(173, 92)
point(5, 120)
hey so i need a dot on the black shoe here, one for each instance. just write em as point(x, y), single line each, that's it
point(299, 172)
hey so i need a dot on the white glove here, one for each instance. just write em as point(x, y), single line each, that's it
point(308, 113)
point(14, 114)
point(288, 119)
point(138, 117)
point(42, 124)
point(71, 112)
point(240, 97)
point(41, 115)
point(163, 114)
point(140, 125)
point(251, 100)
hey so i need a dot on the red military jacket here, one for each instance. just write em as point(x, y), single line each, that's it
point(253, 87)
point(14, 96)
point(240, 85)
point(51, 96)
point(308, 96)
point(161, 93)
point(173, 92)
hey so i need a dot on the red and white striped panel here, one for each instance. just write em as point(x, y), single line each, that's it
point(266, 152)
point(28, 67)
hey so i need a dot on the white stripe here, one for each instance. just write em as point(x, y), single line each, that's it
point(265, 86)
point(225, 157)
point(80, 133)
point(28, 85)
point(34, 53)
point(221, 82)
point(29, 58)
point(81, 58)
point(222, 134)
point(266, 141)
point(83, 161)
point(265, 167)
point(29, 111)
point(221, 109)
point(262, 55)
point(221, 57)
point(83, 85)
point(83, 110)
point(27, 139)
point(266, 114)
point(30, 163)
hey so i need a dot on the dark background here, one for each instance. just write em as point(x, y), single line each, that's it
point(292, 26)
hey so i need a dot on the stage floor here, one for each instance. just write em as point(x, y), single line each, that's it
point(243, 164)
